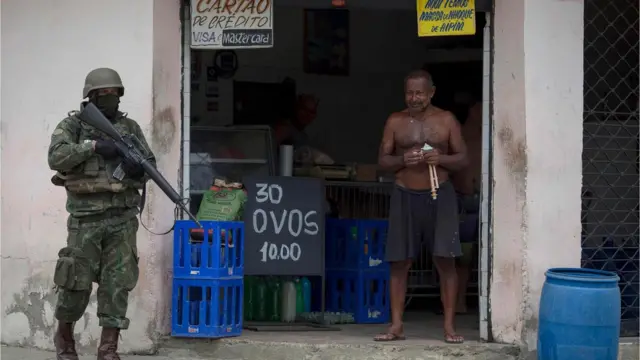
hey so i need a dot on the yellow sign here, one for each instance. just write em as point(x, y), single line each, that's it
point(446, 17)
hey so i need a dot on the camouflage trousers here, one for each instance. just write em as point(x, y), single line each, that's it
point(101, 250)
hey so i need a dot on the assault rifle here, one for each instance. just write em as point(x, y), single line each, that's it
point(128, 146)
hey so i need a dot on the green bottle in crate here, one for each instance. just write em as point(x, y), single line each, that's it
point(260, 300)
point(274, 299)
point(249, 298)
point(299, 297)
point(269, 283)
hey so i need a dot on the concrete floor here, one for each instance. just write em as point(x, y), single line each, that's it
point(352, 342)
point(420, 328)
point(423, 331)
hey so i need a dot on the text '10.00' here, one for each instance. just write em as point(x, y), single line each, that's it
point(271, 251)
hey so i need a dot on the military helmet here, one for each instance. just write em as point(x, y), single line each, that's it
point(100, 79)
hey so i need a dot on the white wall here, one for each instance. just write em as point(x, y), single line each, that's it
point(537, 159)
point(384, 47)
point(52, 46)
point(166, 125)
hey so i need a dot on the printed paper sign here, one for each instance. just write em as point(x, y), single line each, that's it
point(231, 24)
point(446, 17)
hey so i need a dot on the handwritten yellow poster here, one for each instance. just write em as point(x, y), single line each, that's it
point(446, 17)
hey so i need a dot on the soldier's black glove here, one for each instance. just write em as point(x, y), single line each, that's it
point(107, 149)
point(132, 168)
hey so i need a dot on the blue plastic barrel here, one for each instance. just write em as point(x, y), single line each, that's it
point(579, 315)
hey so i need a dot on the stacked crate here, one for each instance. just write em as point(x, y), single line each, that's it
point(208, 269)
point(357, 278)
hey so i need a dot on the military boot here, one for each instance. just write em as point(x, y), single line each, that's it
point(108, 349)
point(63, 340)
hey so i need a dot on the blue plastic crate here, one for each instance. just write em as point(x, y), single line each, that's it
point(207, 308)
point(355, 244)
point(364, 293)
point(215, 252)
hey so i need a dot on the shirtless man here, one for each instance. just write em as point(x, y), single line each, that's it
point(415, 218)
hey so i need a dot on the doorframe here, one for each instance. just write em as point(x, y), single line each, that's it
point(486, 192)
point(185, 142)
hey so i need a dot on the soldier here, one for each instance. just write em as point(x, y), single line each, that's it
point(102, 223)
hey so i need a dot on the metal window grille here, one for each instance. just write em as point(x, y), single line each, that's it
point(610, 235)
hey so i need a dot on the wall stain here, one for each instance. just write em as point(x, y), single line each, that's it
point(36, 297)
point(31, 303)
point(507, 271)
point(530, 331)
point(515, 157)
point(163, 130)
point(152, 333)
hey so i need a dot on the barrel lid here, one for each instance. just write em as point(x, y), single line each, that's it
point(580, 274)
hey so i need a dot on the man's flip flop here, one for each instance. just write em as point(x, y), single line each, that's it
point(453, 339)
point(389, 337)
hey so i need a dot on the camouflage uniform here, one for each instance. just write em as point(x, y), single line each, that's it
point(102, 226)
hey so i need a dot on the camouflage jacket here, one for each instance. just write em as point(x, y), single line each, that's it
point(87, 176)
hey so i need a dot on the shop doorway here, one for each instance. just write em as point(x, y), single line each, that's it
point(231, 111)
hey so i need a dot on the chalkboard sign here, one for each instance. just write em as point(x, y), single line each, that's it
point(284, 226)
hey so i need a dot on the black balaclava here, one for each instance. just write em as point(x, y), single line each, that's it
point(107, 104)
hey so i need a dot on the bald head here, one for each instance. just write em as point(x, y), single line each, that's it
point(419, 75)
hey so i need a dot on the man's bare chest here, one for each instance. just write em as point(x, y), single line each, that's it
point(415, 133)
